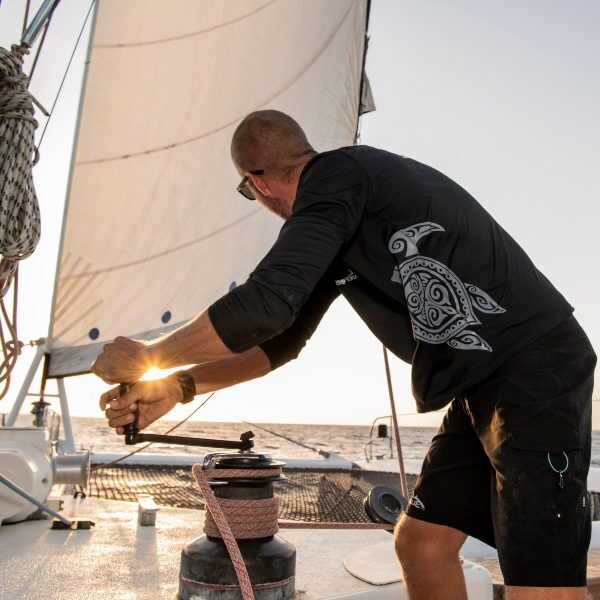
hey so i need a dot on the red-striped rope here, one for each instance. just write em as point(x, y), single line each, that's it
point(248, 519)
point(202, 476)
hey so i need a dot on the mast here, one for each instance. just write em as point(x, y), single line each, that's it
point(38, 21)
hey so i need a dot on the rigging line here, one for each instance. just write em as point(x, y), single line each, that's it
point(118, 460)
point(25, 17)
point(39, 48)
point(186, 35)
point(11, 349)
point(206, 134)
point(140, 261)
point(285, 437)
point(66, 73)
point(403, 482)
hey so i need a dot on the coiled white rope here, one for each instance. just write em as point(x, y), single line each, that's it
point(20, 225)
point(19, 210)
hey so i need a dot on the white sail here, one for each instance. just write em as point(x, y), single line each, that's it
point(154, 230)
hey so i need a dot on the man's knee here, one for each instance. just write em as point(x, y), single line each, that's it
point(426, 543)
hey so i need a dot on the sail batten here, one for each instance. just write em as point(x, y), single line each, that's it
point(154, 228)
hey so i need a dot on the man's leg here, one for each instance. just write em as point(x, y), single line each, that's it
point(428, 554)
point(533, 419)
point(451, 500)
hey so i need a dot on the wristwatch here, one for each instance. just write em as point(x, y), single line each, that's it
point(186, 383)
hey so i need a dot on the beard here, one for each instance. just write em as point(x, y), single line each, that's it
point(272, 204)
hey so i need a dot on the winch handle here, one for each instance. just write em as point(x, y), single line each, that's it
point(133, 435)
point(131, 429)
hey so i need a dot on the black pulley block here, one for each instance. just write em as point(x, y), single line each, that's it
point(384, 504)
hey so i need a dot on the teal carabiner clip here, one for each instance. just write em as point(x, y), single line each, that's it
point(561, 482)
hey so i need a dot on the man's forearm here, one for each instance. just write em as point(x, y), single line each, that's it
point(224, 373)
point(195, 343)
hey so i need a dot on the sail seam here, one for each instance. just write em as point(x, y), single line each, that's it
point(302, 72)
point(185, 35)
point(140, 261)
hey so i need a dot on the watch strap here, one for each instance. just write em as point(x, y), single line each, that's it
point(186, 383)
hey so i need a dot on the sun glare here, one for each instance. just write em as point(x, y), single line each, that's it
point(154, 373)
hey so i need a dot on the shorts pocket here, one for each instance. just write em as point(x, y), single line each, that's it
point(548, 473)
point(547, 439)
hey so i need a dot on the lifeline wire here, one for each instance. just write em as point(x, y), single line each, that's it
point(285, 437)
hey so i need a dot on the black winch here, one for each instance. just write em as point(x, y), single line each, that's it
point(206, 567)
point(241, 478)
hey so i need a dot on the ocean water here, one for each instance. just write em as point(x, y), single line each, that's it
point(349, 441)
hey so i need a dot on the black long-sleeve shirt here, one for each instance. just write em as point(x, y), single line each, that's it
point(431, 273)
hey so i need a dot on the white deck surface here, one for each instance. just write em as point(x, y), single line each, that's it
point(119, 560)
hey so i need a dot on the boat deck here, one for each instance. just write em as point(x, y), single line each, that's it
point(120, 560)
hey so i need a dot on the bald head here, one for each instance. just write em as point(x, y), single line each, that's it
point(269, 139)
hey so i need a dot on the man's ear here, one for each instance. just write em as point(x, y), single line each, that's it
point(260, 184)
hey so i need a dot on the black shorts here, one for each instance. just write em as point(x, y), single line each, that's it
point(493, 471)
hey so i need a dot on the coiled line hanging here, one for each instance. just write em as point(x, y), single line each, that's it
point(20, 225)
point(19, 210)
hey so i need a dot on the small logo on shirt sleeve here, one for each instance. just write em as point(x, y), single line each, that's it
point(416, 502)
point(351, 276)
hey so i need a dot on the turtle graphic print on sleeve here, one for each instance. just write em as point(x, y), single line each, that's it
point(440, 305)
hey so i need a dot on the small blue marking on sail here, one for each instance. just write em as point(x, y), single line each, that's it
point(94, 333)
point(232, 285)
point(166, 316)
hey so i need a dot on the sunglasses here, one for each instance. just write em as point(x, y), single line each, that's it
point(243, 189)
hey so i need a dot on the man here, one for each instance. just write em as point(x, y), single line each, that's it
point(441, 284)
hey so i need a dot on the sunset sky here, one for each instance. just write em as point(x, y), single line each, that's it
point(502, 97)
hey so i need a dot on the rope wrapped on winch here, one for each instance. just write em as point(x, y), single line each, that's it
point(19, 210)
